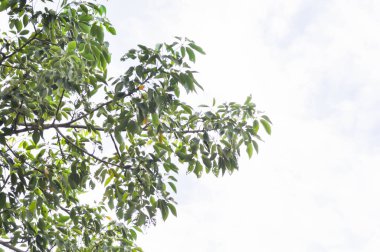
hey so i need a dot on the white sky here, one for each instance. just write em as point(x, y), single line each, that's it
point(313, 67)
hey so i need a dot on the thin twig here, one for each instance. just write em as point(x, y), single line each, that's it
point(101, 106)
point(20, 48)
point(5, 183)
point(60, 147)
point(85, 151)
point(114, 144)
point(59, 106)
point(14, 125)
point(18, 156)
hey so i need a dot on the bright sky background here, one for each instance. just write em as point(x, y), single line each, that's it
point(313, 66)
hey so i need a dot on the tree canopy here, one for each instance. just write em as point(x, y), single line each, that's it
point(66, 128)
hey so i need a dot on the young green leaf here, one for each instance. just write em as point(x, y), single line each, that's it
point(155, 120)
point(173, 210)
point(266, 126)
point(197, 48)
point(249, 149)
point(191, 54)
point(71, 46)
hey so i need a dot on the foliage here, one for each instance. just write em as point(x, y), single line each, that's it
point(66, 129)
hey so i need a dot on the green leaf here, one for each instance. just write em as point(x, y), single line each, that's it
point(108, 180)
point(266, 118)
point(71, 46)
point(111, 30)
point(84, 27)
point(162, 205)
point(174, 188)
point(63, 218)
point(77, 230)
point(102, 10)
point(249, 149)
point(36, 136)
point(183, 51)
point(119, 137)
point(255, 126)
point(187, 109)
point(266, 126)
point(32, 206)
point(88, 56)
point(18, 25)
point(197, 48)
point(172, 209)
point(198, 169)
point(155, 120)
point(256, 146)
point(191, 54)
point(98, 32)
point(24, 32)
point(74, 180)
point(206, 161)
point(132, 127)
point(141, 219)
point(4, 5)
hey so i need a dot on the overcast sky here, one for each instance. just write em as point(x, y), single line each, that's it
point(313, 66)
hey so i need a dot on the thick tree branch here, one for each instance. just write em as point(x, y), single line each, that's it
point(33, 126)
point(69, 125)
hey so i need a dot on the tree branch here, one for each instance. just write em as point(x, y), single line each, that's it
point(59, 106)
point(114, 144)
point(18, 156)
point(60, 147)
point(101, 106)
point(85, 151)
point(69, 125)
point(20, 48)
point(31, 126)
point(8, 245)
point(5, 183)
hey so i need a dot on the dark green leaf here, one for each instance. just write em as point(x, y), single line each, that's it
point(3, 200)
point(36, 136)
point(74, 180)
